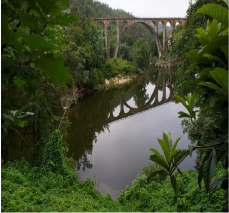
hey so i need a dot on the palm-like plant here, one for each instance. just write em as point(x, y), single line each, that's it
point(189, 102)
point(170, 161)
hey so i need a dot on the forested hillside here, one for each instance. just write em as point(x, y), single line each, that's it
point(96, 9)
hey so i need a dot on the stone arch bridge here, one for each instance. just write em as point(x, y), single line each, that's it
point(150, 23)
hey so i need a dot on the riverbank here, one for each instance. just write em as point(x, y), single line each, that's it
point(118, 81)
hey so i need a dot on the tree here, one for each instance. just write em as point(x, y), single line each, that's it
point(32, 37)
point(140, 53)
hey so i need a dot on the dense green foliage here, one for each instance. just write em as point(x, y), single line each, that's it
point(184, 40)
point(84, 53)
point(158, 195)
point(115, 67)
point(210, 98)
point(26, 188)
point(32, 70)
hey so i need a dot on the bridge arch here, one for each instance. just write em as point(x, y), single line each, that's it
point(148, 26)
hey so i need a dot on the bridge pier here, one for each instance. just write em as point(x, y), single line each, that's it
point(164, 36)
point(117, 41)
point(106, 25)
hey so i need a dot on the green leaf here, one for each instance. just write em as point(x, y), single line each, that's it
point(209, 168)
point(160, 162)
point(7, 35)
point(180, 156)
point(220, 75)
point(215, 11)
point(215, 184)
point(202, 36)
point(193, 54)
point(215, 44)
point(37, 43)
point(175, 146)
point(213, 29)
point(200, 175)
point(158, 154)
point(54, 68)
point(183, 115)
point(28, 20)
point(211, 86)
point(47, 6)
point(204, 74)
point(180, 99)
point(167, 139)
point(215, 58)
point(165, 149)
point(173, 182)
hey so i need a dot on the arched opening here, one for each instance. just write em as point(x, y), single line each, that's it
point(177, 23)
point(168, 35)
point(122, 26)
point(137, 34)
point(153, 25)
point(135, 44)
point(160, 31)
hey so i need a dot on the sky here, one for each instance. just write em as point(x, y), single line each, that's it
point(151, 8)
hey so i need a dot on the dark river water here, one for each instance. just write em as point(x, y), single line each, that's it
point(111, 130)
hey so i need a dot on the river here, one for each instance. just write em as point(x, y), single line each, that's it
point(111, 130)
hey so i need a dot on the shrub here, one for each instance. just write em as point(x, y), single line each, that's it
point(154, 196)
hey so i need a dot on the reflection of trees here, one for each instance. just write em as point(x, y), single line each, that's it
point(88, 119)
point(90, 116)
point(140, 97)
point(140, 92)
point(83, 163)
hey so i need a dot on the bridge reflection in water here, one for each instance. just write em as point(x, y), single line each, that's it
point(151, 103)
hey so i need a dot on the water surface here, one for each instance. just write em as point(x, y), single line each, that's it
point(112, 130)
